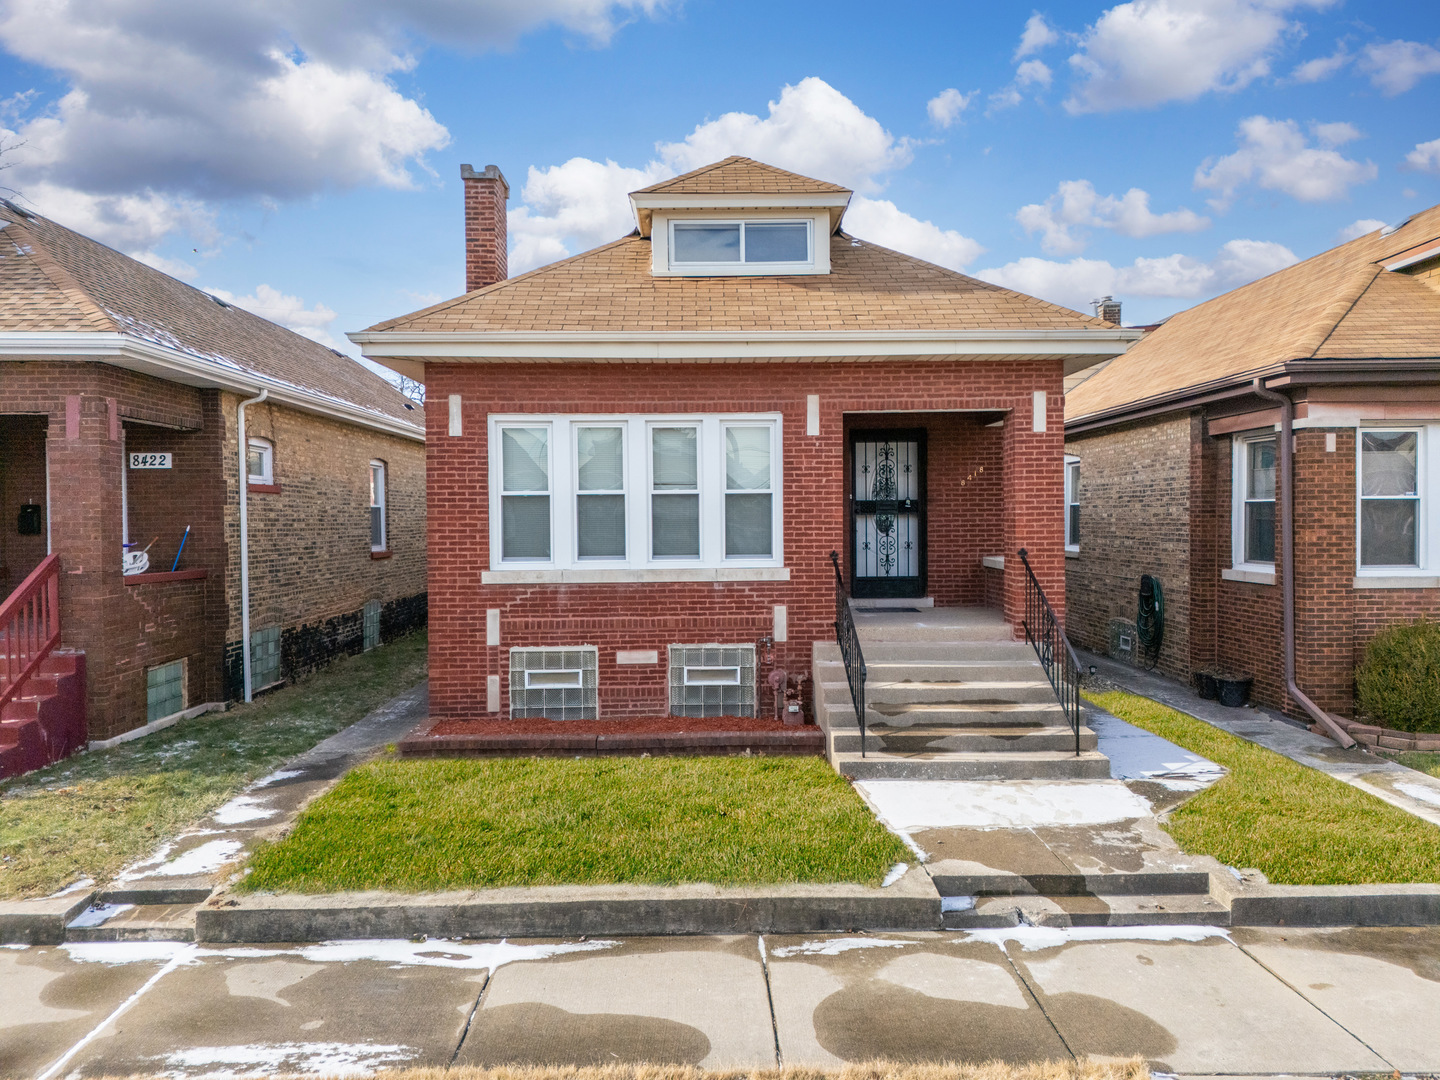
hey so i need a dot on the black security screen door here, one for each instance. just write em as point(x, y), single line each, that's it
point(887, 513)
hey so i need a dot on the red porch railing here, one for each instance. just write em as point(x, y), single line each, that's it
point(29, 626)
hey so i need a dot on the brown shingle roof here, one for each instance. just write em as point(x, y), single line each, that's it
point(868, 288)
point(53, 279)
point(742, 176)
point(1341, 304)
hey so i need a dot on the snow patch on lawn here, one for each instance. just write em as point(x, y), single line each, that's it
point(836, 946)
point(241, 809)
point(205, 859)
point(276, 777)
point(329, 1058)
point(896, 873)
point(915, 805)
point(74, 887)
point(1030, 938)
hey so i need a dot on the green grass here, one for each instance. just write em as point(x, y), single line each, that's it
point(1426, 761)
point(453, 824)
point(1294, 824)
point(91, 814)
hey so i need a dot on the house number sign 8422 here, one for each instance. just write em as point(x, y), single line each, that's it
point(149, 461)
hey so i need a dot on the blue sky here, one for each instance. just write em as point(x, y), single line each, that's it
point(302, 156)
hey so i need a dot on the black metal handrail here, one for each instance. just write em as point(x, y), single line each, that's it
point(850, 653)
point(1043, 632)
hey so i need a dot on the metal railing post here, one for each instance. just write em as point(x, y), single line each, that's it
point(1052, 647)
point(851, 654)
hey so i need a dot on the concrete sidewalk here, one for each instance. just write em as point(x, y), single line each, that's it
point(1412, 791)
point(1192, 1000)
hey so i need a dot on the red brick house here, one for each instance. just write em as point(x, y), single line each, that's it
point(1322, 379)
point(640, 458)
point(125, 399)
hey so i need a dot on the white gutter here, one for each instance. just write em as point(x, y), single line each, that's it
point(245, 534)
point(177, 365)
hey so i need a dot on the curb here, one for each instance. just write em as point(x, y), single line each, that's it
point(41, 922)
point(1335, 905)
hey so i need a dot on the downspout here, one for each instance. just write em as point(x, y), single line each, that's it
point(245, 536)
point(1287, 560)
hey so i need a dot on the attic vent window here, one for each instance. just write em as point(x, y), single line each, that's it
point(712, 243)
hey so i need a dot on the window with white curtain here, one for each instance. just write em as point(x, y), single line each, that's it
point(638, 491)
point(1390, 500)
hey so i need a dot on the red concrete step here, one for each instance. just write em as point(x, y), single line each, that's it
point(46, 722)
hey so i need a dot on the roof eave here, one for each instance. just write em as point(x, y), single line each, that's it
point(175, 365)
point(643, 205)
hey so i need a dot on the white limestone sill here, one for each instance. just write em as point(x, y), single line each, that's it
point(1250, 577)
point(621, 577)
point(1399, 581)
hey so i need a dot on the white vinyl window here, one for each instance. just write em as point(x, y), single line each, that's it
point(377, 506)
point(260, 462)
point(638, 492)
point(1072, 504)
point(1253, 532)
point(727, 243)
point(1391, 508)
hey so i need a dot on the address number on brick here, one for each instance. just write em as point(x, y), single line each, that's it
point(149, 461)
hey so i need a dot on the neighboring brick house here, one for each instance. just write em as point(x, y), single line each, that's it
point(653, 446)
point(1182, 471)
point(109, 368)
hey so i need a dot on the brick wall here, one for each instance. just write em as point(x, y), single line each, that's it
point(1135, 483)
point(22, 481)
point(311, 570)
point(1022, 509)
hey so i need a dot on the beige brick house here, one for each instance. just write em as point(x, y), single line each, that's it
point(1322, 379)
point(125, 399)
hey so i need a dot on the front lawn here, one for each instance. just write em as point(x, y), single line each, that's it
point(1294, 824)
point(89, 815)
point(1426, 761)
point(472, 823)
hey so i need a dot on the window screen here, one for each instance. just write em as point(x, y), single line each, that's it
point(164, 691)
point(555, 683)
point(712, 680)
point(265, 657)
point(370, 622)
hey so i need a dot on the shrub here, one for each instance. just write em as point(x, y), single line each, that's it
point(1398, 683)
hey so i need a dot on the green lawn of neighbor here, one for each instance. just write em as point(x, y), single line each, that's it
point(1426, 761)
point(469, 823)
point(89, 815)
point(1294, 824)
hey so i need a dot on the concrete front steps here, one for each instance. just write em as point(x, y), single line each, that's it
point(46, 720)
point(1146, 898)
point(950, 695)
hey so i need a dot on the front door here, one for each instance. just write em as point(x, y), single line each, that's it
point(887, 513)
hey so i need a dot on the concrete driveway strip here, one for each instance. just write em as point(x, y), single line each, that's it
point(699, 1001)
point(1381, 985)
point(906, 997)
point(1200, 1005)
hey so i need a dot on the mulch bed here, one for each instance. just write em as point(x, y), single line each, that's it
point(653, 735)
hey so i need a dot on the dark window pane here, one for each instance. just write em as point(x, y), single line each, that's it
point(706, 243)
point(675, 525)
point(1261, 484)
point(600, 523)
point(1074, 537)
point(1260, 532)
point(747, 525)
point(377, 527)
point(1387, 532)
point(777, 243)
point(525, 527)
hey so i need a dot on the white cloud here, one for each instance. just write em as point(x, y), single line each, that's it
point(882, 222)
point(1396, 66)
point(288, 311)
point(1036, 36)
point(1425, 157)
point(1357, 229)
point(1033, 72)
point(1007, 98)
point(945, 107)
point(1276, 155)
point(268, 99)
point(1076, 204)
point(1147, 52)
point(812, 129)
point(1077, 282)
point(1322, 67)
point(1336, 134)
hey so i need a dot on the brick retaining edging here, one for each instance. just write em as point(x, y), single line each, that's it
point(808, 741)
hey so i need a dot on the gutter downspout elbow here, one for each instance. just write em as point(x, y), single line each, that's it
point(1287, 559)
point(245, 537)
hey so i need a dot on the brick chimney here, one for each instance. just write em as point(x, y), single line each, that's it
point(1108, 308)
point(485, 196)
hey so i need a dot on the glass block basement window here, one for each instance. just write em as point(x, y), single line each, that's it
point(370, 614)
point(265, 657)
point(712, 680)
point(164, 691)
point(554, 683)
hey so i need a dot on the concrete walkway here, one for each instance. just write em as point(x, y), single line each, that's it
point(1409, 790)
point(1192, 1000)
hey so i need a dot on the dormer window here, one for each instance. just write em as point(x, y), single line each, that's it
point(706, 243)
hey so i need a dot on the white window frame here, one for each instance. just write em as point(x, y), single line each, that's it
point(575, 493)
point(744, 223)
point(267, 449)
point(1072, 470)
point(663, 243)
point(384, 544)
point(1239, 486)
point(638, 474)
point(1427, 530)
